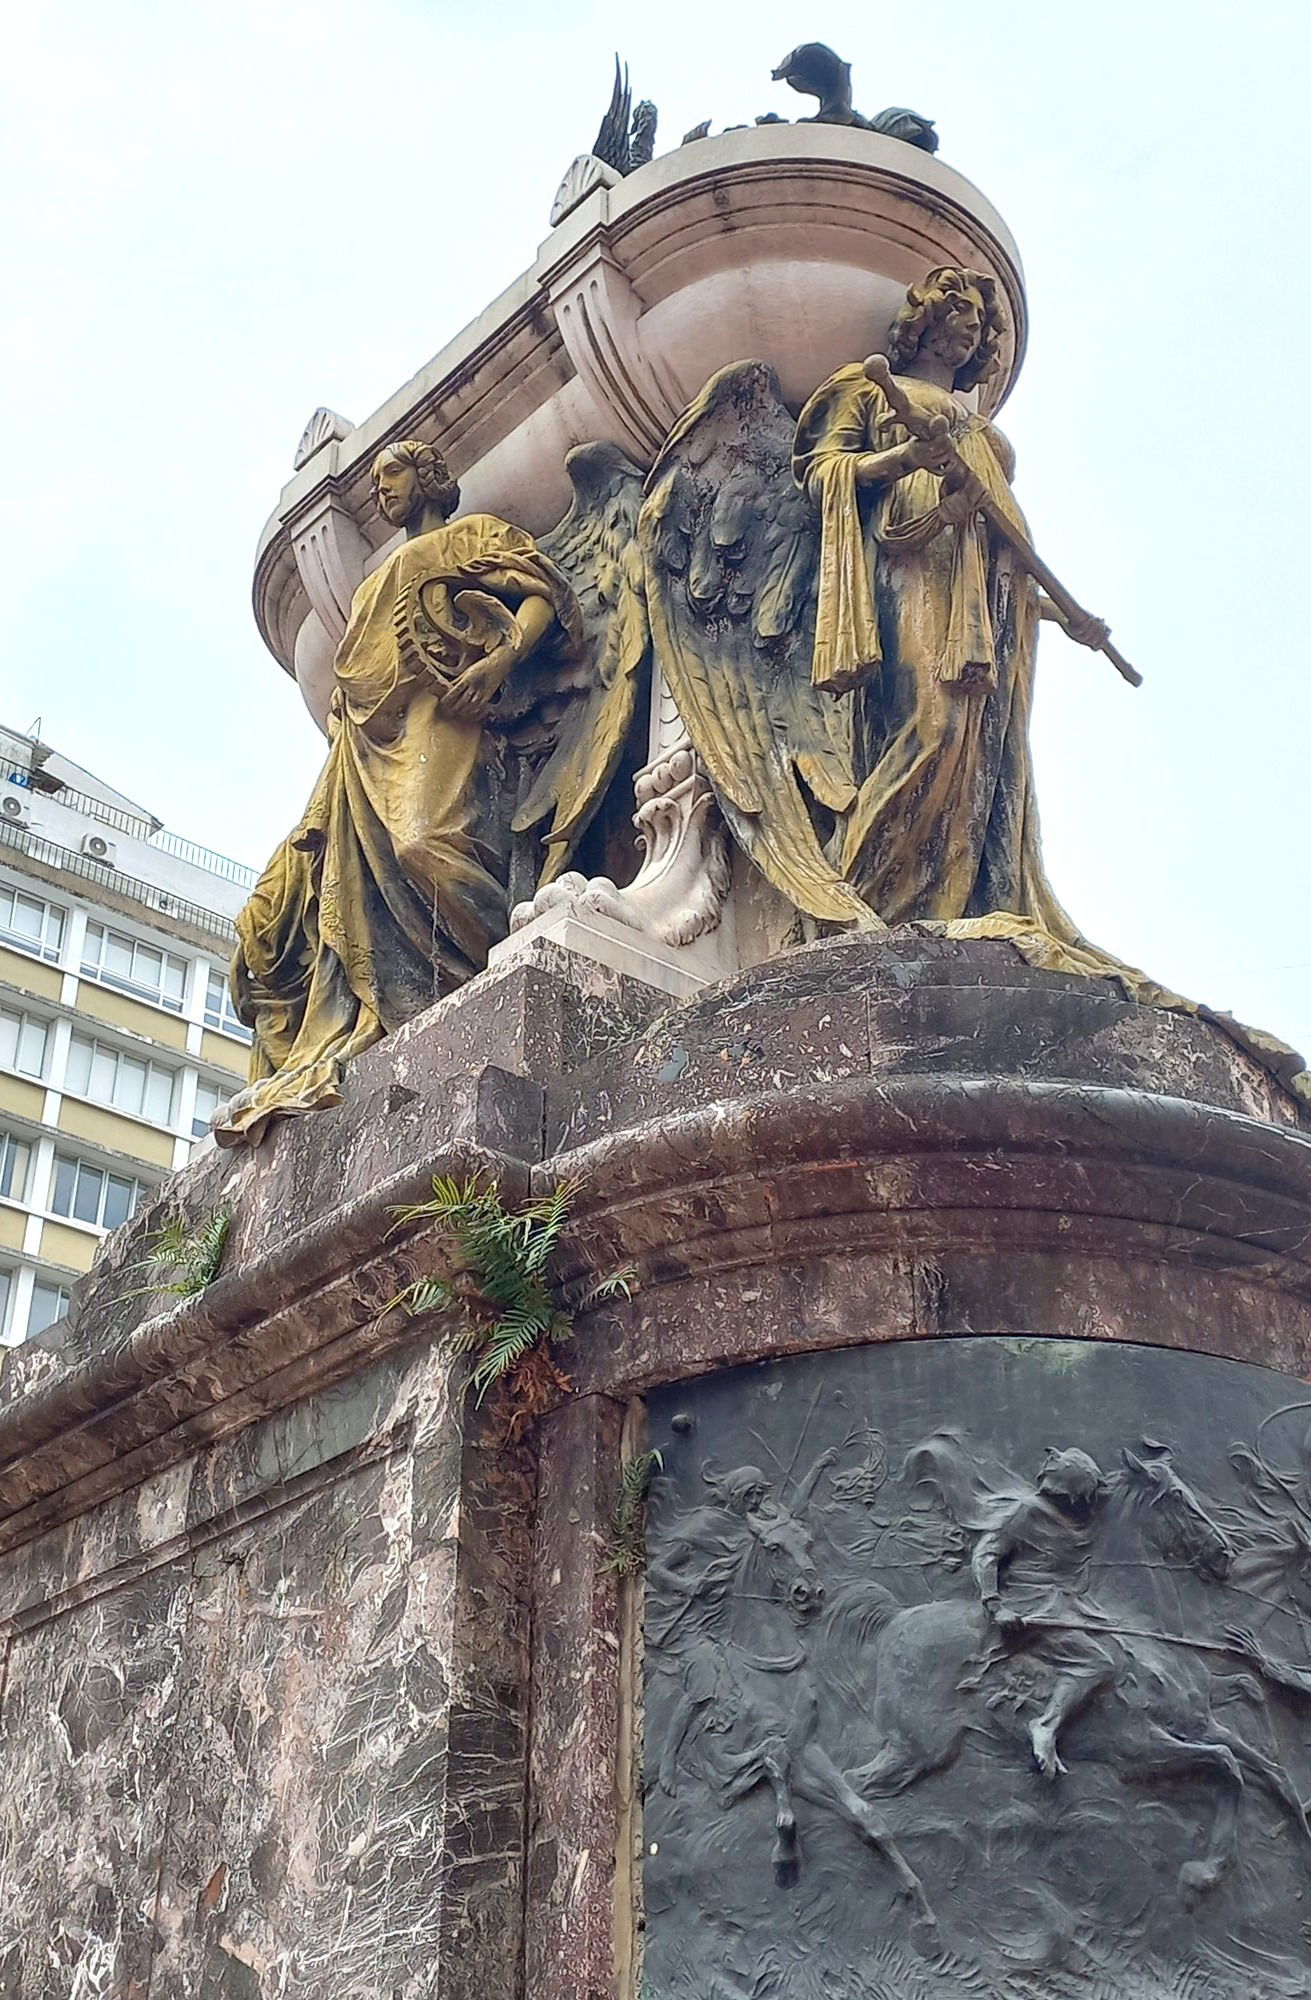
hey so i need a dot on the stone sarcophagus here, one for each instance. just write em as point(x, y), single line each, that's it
point(727, 1420)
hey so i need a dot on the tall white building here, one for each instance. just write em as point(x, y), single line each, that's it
point(117, 1036)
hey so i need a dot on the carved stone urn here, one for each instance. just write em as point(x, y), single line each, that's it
point(790, 243)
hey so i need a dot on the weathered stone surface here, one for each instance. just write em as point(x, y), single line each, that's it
point(576, 1681)
point(274, 1699)
point(907, 1005)
point(307, 1671)
point(859, 1779)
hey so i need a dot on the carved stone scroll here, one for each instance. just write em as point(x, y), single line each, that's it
point(597, 311)
point(330, 555)
point(679, 892)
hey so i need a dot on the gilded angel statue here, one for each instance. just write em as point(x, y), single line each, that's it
point(849, 631)
point(484, 691)
point(924, 609)
point(844, 608)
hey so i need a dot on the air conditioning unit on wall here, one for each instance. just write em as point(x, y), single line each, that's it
point(16, 810)
point(97, 848)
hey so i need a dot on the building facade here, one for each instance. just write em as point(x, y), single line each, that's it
point(117, 1033)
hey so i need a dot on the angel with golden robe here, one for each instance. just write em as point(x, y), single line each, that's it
point(483, 692)
point(844, 609)
point(860, 686)
point(922, 601)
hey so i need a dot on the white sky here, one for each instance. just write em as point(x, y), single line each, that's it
point(219, 215)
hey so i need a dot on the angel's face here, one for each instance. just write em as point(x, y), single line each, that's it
point(397, 490)
point(954, 336)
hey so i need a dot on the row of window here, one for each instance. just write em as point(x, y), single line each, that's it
point(136, 1084)
point(31, 924)
point(82, 1192)
point(114, 959)
point(49, 1303)
point(124, 962)
point(130, 1083)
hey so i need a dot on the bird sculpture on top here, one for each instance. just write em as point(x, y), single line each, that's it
point(626, 139)
point(625, 142)
point(818, 71)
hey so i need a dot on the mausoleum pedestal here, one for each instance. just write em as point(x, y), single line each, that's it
point(731, 1420)
point(323, 1683)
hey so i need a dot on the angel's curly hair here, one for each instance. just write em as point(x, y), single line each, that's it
point(930, 302)
point(430, 468)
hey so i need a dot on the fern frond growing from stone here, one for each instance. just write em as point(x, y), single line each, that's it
point(184, 1256)
point(628, 1538)
point(493, 1284)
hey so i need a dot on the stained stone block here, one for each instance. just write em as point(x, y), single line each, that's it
point(279, 1712)
point(315, 1683)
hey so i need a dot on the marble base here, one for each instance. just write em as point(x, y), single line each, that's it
point(680, 970)
point(312, 1683)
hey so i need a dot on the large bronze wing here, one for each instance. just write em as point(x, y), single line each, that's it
point(595, 546)
point(731, 548)
point(612, 141)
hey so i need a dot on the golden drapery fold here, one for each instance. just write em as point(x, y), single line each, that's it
point(934, 625)
point(933, 622)
point(392, 887)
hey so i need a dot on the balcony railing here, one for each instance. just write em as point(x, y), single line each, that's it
point(148, 893)
point(139, 827)
point(205, 857)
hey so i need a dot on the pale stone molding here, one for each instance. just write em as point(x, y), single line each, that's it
point(679, 892)
point(583, 178)
point(572, 925)
point(790, 243)
point(324, 427)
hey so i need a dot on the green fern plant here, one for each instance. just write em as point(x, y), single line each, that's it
point(184, 1256)
point(628, 1522)
point(505, 1311)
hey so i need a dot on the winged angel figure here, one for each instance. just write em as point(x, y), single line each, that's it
point(730, 547)
point(485, 692)
point(846, 611)
point(810, 588)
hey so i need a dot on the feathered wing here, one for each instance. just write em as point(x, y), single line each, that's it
point(595, 546)
point(612, 141)
point(730, 548)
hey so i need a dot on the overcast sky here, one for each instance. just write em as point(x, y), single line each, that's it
point(219, 216)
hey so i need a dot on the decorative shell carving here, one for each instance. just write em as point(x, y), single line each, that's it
point(324, 427)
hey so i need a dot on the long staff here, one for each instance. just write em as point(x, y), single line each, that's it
point(935, 430)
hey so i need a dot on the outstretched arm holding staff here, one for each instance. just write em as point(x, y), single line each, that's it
point(935, 433)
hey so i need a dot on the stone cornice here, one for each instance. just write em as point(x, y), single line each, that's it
point(614, 328)
point(1021, 1168)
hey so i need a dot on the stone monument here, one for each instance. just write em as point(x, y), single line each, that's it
point(728, 1417)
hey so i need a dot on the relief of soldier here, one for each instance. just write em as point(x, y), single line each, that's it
point(846, 1635)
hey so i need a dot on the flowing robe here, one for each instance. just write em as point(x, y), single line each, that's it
point(935, 623)
point(392, 887)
